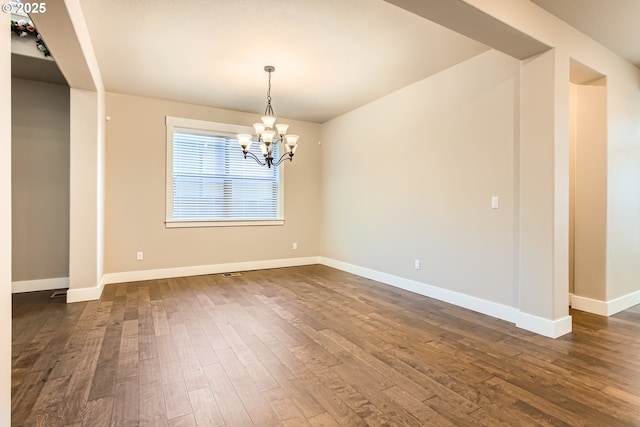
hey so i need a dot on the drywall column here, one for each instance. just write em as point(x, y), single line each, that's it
point(66, 33)
point(5, 223)
point(86, 178)
point(544, 199)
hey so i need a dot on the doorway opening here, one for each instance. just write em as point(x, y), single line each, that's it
point(587, 185)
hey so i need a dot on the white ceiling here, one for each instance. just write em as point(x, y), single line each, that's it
point(613, 23)
point(330, 55)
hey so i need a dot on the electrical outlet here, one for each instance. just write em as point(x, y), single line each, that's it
point(294, 246)
point(139, 255)
point(416, 264)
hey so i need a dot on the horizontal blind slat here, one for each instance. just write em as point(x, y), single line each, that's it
point(212, 180)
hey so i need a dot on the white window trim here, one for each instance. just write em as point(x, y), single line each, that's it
point(221, 129)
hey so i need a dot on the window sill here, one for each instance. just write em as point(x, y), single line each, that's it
point(230, 223)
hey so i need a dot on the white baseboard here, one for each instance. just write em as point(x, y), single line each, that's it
point(605, 308)
point(546, 327)
point(619, 304)
point(39, 285)
point(588, 304)
point(85, 294)
point(479, 305)
point(542, 326)
point(197, 270)
point(94, 293)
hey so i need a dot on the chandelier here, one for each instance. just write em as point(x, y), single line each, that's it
point(267, 137)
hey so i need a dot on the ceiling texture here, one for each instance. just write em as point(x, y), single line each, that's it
point(613, 23)
point(331, 56)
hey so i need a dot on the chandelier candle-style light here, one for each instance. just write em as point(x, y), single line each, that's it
point(267, 137)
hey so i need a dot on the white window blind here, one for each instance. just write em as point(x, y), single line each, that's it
point(212, 181)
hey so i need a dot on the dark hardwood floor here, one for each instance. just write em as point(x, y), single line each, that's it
point(309, 346)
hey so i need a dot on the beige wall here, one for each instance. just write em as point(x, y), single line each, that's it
point(40, 170)
point(5, 224)
point(135, 194)
point(590, 189)
point(622, 111)
point(623, 184)
point(414, 178)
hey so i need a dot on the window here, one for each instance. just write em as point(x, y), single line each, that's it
point(209, 182)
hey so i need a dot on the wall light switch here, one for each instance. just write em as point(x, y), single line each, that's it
point(295, 246)
point(495, 202)
point(416, 264)
point(139, 256)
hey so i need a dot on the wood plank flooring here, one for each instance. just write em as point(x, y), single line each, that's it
point(309, 347)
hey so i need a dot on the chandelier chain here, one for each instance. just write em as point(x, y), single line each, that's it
point(269, 110)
